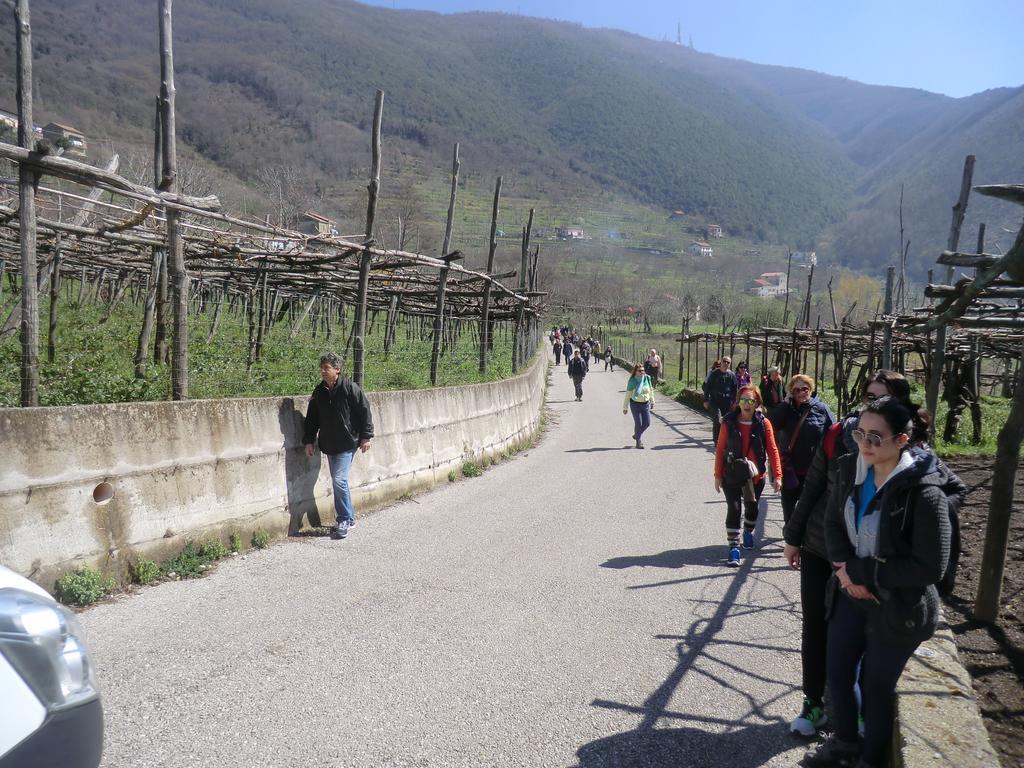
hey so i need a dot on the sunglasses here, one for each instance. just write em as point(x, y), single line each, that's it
point(875, 441)
point(801, 389)
point(870, 397)
point(747, 401)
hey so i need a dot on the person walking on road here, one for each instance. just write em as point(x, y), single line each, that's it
point(557, 349)
point(609, 358)
point(800, 422)
point(639, 401)
point(804, 537)
point(338, 420)
point(578, 370)
point(773, 389)
point(585, 353)
point(566, 349)
point(742, 375)
point(887, 533)
point(652, 366)
point(746, 454)
point(720, 394)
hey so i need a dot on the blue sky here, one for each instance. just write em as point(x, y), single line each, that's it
point(955, 48)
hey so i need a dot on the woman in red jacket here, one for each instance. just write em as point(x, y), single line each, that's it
point(745, 456)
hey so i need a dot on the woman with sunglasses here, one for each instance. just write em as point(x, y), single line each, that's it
point(745, 455)
point(887, 534)
point(804, 535)
point(640, 401)
point(800, 422)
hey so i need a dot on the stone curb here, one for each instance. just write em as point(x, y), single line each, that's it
point(938, 721)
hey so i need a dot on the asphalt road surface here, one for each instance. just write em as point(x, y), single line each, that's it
point(569, 608)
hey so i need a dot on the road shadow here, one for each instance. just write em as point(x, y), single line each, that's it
point(670, 558)
point(688, 439)
point(300, 472)
point(745, 747)
point(598, 450)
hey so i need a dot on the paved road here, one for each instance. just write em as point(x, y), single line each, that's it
point(568, 608)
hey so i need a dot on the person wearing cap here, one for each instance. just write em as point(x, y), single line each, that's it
point(720, 394)
point(773, 389)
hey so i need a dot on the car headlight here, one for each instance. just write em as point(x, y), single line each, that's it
point(42, 640)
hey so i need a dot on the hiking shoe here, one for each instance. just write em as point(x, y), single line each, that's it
point(811, 718)
point(734, 556)
point(860, 726)
point(341, 531)
point(748, 539)
point(639, 444)
point(834, 752)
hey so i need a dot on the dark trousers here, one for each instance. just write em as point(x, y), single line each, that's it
point(790, 496)
point(577, 382)
point(609, 363)
point(737, 506)
point(883, 663)
point(814, 575)
point(716, 423)
point(558, 356)
point(641, 418)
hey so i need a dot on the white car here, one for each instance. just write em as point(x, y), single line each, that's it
point(50, 711)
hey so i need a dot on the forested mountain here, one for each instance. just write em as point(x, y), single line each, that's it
point(772, 153)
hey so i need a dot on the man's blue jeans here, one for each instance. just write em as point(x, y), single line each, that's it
point(340, 464)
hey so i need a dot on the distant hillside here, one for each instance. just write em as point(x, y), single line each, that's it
point(776, 154)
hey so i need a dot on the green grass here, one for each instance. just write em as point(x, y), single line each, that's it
point(144, 571)
point(260, 539)
point(471, 469)
point(94, 360)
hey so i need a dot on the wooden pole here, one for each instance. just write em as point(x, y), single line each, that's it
point(142, 348)
point(27, 181)
point(938, 362)
point(997, 534)
point(485, 309)
point(175, 245)
point(435, 351)
point(51, 336)
point(890, 279)
point(373, 188)
point(785, 311)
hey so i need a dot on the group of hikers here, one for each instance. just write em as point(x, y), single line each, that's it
point(869, 511)
point(870, 522)
point(869, 515)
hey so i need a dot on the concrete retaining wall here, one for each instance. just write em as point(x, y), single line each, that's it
point(182, 470)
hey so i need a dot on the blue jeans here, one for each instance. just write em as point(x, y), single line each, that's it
point(340, 464)
point(641, 417)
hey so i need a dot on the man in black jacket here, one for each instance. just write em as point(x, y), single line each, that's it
point(578, 370)
point(720, 395)
point(338, 418)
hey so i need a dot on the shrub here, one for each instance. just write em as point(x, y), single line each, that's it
point(144, 571)
point(452, 475)
point(83, 587)
point(260, 539)
point(235, 541)
point(213, 549)
point(471, 469)
point(187, 564)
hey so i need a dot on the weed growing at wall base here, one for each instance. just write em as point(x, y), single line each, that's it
point(144, 571)
point(83, 587)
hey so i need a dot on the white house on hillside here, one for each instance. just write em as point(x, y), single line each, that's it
point(700, 248)
point(769, 284)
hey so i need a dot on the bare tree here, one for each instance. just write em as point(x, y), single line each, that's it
point(290, 194)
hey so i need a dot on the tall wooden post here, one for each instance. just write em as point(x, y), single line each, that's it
point(442, 281)
point(373, 188)
point(785, 311)
point(890, 278)
point(938, 362)
point(27, 181)
point(993, 560)
point(485, 310)
point(51, 336)
point(175, 245)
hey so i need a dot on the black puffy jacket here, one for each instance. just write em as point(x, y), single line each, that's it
point(340, 415)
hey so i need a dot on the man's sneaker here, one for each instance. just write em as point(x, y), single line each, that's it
point(734, 556)
point(834, 752)
point(748, 539)
point(811, 718)
point(341, 531)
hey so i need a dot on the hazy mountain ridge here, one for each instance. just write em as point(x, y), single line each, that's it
point(771, 152)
